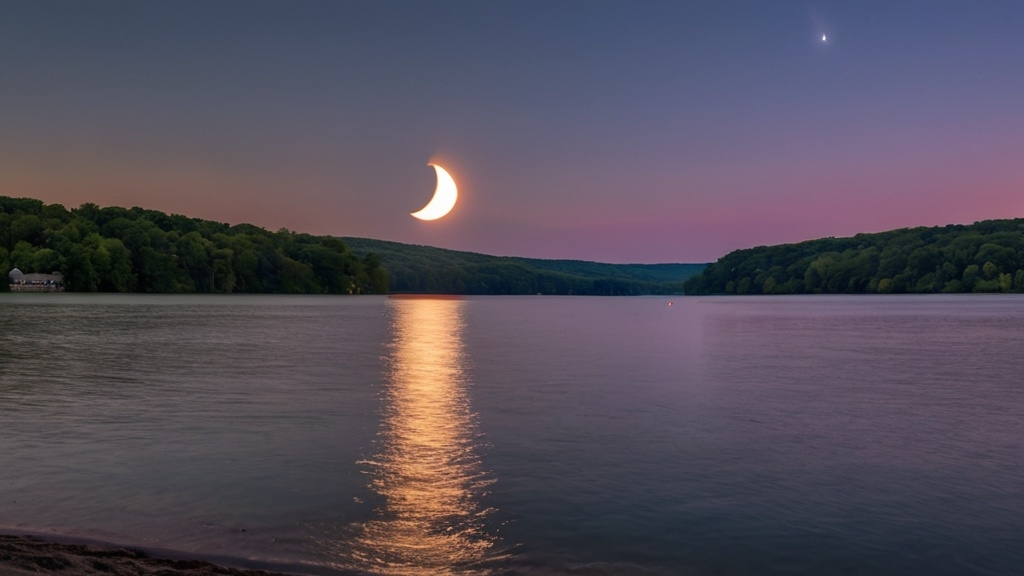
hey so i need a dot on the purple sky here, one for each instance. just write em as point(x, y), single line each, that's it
point(611, 131)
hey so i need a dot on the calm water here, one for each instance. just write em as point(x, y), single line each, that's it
point(534, 435)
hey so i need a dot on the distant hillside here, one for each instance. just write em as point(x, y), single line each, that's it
point(983, 257)
point(424, 269)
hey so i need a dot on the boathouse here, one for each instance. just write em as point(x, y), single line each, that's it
point(21, 282)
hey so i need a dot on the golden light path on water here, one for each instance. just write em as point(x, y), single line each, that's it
point(428, 471)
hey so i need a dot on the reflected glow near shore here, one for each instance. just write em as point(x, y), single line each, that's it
point(428, 471)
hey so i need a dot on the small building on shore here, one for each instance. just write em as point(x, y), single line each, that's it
point(21, 282)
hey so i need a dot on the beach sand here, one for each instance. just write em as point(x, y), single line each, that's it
point(24, 555)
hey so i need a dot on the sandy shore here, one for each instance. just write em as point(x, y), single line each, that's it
point(24, 555)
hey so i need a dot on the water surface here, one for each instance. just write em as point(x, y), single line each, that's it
point(523, 435)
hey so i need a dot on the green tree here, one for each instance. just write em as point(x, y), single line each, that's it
point(970, 277)
point(378, 276)
point(23, 256)
point(28, 228)
point(1005, 283)
point(223, 271)
point(46, 260)
point(195, 257)
point(115, 266)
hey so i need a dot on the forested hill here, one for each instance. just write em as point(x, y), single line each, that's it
point(983, 257)
point(425, 269)
point(136, 250)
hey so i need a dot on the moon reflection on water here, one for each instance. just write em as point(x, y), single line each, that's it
point(427, 472)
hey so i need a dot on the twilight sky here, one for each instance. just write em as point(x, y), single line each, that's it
point(613, 131)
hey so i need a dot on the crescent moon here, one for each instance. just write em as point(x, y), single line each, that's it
point(444, 198)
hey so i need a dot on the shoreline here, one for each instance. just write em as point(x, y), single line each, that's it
point(32, 554)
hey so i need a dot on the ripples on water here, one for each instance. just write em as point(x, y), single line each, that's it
point(428, 472)
point(822, 435)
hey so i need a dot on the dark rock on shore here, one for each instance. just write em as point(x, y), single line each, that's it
point(24, 555)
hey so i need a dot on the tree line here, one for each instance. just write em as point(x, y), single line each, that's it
point(117, 249)
point(985, 256)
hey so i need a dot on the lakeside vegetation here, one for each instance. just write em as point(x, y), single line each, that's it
point(985, 256)
point(117, 249)
point(425, 269)
point(135, 250)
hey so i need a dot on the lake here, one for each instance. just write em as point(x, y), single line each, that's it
point(522, 435)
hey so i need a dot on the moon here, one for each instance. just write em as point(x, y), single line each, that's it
point(444, 198)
